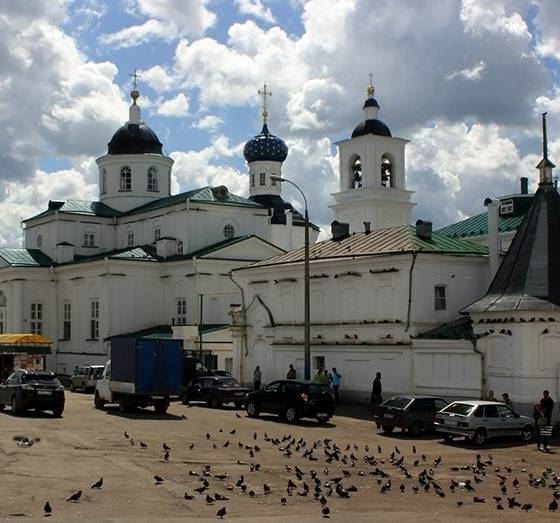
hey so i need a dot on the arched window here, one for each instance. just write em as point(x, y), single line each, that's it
point(153, 179)
point(356, 173)
point(229, 231)
point(125, 179)
point(179, 246)
point(387, 179)
point(103, 181)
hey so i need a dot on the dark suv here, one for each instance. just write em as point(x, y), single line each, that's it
point(292, 399)
point(215, 391)
point(408, 412)
point(39, 390)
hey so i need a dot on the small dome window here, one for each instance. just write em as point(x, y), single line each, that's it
point(229, 231)
point(153, 179)
point(125, 179)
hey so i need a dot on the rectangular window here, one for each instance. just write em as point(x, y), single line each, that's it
point(506, 207)
point(152, 180)
point(262, 179)
point(66, 320)
point(89, 239)
point(157, 234)
point(440, 298)
point(36, 323)
point(130, 239)
point(94, 319)
point(125, 179)
point(252, 180)
point(181, 311)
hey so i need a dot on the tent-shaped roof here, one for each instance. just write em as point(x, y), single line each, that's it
point(528, 278)
point(29, 343)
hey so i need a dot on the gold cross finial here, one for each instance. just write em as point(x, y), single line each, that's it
point(135, 77)
point(370, 89)
point(264, 94)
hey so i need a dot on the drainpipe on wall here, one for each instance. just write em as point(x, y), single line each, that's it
point(244, 328)
point(409, 308)
point(493, 235)
point(482, 369)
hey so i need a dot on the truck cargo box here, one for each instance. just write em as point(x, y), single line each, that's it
point(146, 366)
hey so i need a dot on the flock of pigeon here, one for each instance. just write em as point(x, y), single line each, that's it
point(327, 473)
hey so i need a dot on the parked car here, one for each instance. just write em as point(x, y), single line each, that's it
point(215, 391)
point(218, 372)
point(39, 390)
point(86, 377)
point(480, 420)
point(410, 412)
point(292, 399)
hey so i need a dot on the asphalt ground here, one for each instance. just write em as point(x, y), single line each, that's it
point(75, 451)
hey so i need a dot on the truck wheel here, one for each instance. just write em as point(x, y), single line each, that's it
point(98, 402)
point(160, 406)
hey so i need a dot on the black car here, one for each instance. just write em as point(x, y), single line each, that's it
point(410, 412)
point(292, 399)
point(215, 391)
point(39, 390)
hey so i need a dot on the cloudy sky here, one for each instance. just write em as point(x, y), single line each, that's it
point(465, 81)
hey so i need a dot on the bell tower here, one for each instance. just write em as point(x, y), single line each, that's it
point(372, 174)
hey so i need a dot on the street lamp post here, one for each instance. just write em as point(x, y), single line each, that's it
point(306, 301)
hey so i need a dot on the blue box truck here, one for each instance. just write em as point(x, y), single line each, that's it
point(140, 373)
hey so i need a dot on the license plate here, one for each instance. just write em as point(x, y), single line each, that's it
point(44, 392)
point(388, 416)
point(157, 397)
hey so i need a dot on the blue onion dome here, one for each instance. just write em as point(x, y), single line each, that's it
point(265, 146)
point(134, 138)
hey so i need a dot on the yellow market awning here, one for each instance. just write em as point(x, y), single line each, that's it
point(28, 343)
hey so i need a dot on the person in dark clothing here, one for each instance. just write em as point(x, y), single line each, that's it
point(291, 373)
point(376, 391)
point(546, 406)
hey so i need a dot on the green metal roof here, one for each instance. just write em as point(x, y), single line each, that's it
point(394, 240)
point(25, 257)
point(478, 226)
point(81, 207)
point(205, 194)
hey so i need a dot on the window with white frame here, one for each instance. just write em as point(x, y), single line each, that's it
point(440, 297)
point(89, 239)
point(36, 318)
point(179, 246)
point(94, 319)
point(130, 239)
point(153, 179)
point(262, 178)
point(66, 320)
point(125, 179)
point(181, 311)
point(506, 207)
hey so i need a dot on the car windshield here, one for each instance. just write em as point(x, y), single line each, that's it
point(318, 388)
point(397, 402)
point(44, 378)
point(228, 382)
point(459, 408)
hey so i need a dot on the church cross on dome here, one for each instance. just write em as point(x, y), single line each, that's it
point(264, 93)
point(135, 94)
point(370, 88)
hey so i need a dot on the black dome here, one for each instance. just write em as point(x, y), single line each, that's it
point(134, 138)
point(265, 146)
point(373, 126)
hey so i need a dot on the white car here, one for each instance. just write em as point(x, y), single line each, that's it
point(480, 420)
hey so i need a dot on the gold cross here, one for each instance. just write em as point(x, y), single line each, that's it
point(370, 89)
point(135, 76)
point(264, 94)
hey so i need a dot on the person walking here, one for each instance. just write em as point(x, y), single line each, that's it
point(257, 378)
point(542, 428)
point(336, 380)
point(376, 391)
point(291, 375)
point(546, 405)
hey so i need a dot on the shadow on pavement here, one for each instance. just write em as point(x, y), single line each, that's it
point(142, 414)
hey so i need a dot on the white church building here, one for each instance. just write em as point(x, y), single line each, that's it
point(140, 258)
